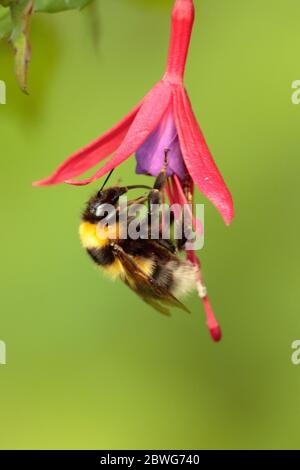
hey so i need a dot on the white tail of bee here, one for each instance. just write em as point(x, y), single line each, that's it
point(184, 277)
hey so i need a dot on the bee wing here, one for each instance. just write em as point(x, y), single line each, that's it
point(153, 303)
point(145, 286)
point(164, 247)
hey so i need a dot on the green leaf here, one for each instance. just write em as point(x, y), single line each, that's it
point(21, 14)
point(15, 18)
point(6, 3)
point(55, 6)
point(5, 23)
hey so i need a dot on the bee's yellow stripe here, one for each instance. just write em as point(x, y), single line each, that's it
point(115, 269)
point(92, 236)
point(145, 264)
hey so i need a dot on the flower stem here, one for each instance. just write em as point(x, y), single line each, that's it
point(181, 30)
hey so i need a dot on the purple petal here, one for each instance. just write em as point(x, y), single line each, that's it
point(150, 155)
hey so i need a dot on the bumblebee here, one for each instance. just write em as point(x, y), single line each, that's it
point(152, 268)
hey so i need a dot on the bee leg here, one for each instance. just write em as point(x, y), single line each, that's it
point(161, 178)
point(181, 242)
point(154, 208)
point(154, 196)
point(185, 231)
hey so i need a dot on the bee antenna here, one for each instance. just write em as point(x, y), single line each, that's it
point(139, 186)
point(106, 179)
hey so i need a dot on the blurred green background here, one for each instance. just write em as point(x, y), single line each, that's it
point(88, 364)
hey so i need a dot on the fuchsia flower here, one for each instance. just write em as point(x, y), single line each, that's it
point(164, 119)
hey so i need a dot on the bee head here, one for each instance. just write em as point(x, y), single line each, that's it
point(102, 200)
point(110, 195)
